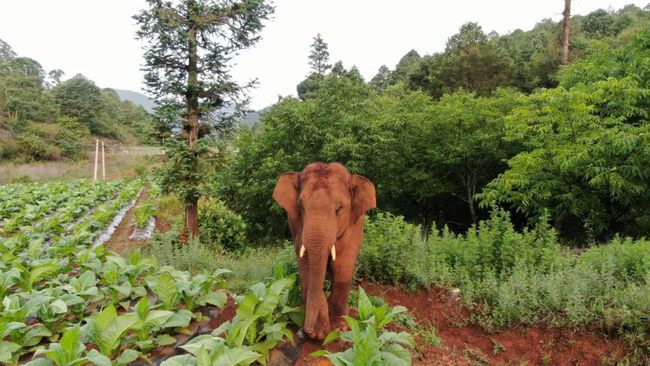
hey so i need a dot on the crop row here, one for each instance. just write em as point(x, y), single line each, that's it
point(61, 205)
point(67, 303)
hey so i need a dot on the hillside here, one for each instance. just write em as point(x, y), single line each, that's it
point(136, 98)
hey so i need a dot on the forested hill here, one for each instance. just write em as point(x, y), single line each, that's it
point(137, 98)
point(44, 116)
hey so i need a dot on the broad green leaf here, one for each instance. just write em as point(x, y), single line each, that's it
point(71, 344)
point(157, 318)
point(127, 356)
point(98, 358)
point(401, 337)
point(207, 342)
point(58, 307)
point(237, 356)
point(39, 272)
point(165, 340)
point(331, 337)
point(180, 319)
point(216, 298)
point(182, 360)
point(203, 358)
point(6, 350)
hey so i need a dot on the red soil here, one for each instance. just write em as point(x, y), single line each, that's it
point(466, 344)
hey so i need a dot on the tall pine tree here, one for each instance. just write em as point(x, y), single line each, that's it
point(319, 56)
point(190, 46)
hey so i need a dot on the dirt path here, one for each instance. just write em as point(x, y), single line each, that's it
point(120, 242)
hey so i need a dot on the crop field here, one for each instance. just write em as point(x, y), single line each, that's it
point(59, 287)
point(67, 301)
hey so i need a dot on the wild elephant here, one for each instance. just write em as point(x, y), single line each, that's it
point(325, 205)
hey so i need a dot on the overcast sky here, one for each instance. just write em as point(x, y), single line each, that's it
point(96, 37)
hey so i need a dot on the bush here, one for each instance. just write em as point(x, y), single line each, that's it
point(192, 256)
point(392, 251)
point(219, 225)
point(71, 138)
point(34, 147)
point(517, 277)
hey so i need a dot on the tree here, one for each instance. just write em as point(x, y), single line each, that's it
point(80, 98)
point(6, 52)
point(308, 88)
point(23, 80)
point(566, 31)
point(55, 76)
point(382, 79)
point(473, 63)
point(190, 46)
point(406, 66)
point(319, 56)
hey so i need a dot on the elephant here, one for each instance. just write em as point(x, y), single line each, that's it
point(325, 205)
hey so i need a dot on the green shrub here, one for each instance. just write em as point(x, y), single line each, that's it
point(219, 225)
point(517, 277)
point(192, 256)
point(393, 251)
point(142, 214)
point(34, 147)
point(249, 266)
point(71, 137)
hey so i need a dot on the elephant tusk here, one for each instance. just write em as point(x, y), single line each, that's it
point(333, 253)
point(302, 251)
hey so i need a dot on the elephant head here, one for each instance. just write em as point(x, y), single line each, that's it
point(323, 203)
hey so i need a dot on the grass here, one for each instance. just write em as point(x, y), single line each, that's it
point(249, 267)
point(118, 165)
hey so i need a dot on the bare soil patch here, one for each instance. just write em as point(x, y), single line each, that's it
point(120, 242)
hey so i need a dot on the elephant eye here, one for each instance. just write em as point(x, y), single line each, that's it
point(339, 209)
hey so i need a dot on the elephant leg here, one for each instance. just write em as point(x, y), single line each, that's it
point(342, 273)
point(303, 270)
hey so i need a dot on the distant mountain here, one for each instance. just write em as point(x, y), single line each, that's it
point(137, 98)
point(251, 118)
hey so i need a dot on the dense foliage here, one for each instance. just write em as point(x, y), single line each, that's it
point(571, 146)
point(517, 277)
point(44, 118)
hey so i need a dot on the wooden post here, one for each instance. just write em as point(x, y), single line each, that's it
point(96, 157)
point(103, 163)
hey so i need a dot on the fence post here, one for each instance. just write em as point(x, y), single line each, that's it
point(103, 163)
point(96, 157)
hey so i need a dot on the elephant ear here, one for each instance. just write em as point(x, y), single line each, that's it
point(363, 196)
point(286, 193)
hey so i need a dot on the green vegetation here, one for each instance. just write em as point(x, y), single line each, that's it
point(518, 277)
point(572, 146)
point(106, 309)
point(371, 343)
point(45, 118)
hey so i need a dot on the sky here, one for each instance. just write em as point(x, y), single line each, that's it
point(96, 37)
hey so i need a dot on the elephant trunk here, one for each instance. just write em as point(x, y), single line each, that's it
point(318, 242)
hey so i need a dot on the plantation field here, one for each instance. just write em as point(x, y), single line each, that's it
point(65, 298)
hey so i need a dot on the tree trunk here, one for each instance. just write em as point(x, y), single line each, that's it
point(566, 30)
point(192, 98)
point(192, 218)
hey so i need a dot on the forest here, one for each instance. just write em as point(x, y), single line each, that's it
point(46, 118)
